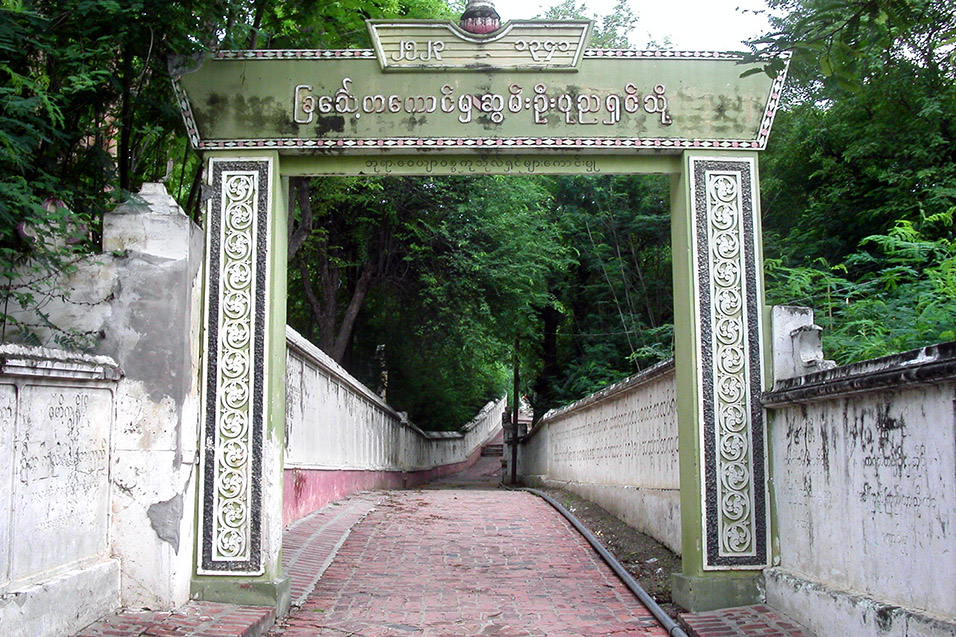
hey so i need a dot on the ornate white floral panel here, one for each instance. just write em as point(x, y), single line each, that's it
point(729, 300)
point(231, 462)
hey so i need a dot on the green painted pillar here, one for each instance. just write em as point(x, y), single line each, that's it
point(239, 535)
point(718, 307)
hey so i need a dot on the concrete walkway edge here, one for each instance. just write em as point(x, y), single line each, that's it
point(309, 547)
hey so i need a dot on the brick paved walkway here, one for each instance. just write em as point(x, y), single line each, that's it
point(455, 562)
point(309, 545)
point(442, 562)
point(739, 622)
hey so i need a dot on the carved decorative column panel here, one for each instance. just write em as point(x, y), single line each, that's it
point(729, 299)
point(235, 342)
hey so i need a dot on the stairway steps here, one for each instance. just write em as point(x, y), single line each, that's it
point(493, 451)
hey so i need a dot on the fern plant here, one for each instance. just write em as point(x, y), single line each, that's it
point(897, 292)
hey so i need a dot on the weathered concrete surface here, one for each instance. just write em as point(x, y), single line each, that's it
point(153, 331)
point(797, 343)
point(56, 413)
point(456, 562)
point(139, 302)
point(832, 611)
point(8, 406)
point(864, 482)
point(617, 448)
point(60, 464)
point(62, 604)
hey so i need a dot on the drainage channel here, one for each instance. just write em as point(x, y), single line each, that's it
point(672, 628)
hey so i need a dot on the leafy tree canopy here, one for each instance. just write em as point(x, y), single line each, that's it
point(859, 183)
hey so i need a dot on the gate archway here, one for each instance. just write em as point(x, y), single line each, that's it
point(432, 99)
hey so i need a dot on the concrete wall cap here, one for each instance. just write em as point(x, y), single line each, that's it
point(931, 364)
point(320, 359)
point(20, 360)
point(11, 350)
point(628, 384)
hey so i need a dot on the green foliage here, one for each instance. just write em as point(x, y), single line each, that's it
point(320, 24)
point(844, 41)
point(87, 114)
point(840, 170)
point(468, 260)
point(861, 171)
point(897, 293)
point(87, 111)
point(31, 217)
point(574, 270)
point(613, 310)
point(450, 274)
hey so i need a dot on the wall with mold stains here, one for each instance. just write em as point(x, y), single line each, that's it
point(139, 302)
point(863, 475)
point(618, 448)
point(56, 417)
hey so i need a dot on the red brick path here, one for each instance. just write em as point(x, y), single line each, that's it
point(746, 620)
point(310, 544)
point(455, 562)
point(448, 562)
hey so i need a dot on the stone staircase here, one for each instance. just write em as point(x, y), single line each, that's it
point(493, 450)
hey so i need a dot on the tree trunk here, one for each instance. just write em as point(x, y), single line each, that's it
point(299, 192)
point(544, 385)
point(256, 24)
point(344, 333)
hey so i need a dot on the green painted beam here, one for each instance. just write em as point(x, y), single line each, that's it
point(508, 164)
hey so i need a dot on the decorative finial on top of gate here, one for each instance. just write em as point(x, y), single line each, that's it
point(480, 17)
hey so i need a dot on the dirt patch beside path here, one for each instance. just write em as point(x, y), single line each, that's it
point(647, 560)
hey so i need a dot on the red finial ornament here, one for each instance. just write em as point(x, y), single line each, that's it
point(480, 17)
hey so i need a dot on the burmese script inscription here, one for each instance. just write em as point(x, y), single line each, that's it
point(60, 477)
point(538, 103)
point(883, 465)
point(555, 46)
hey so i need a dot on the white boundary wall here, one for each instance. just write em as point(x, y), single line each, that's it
point(863, 468)
point(56, 428)
point(618, 448)
point(334, 422)
point(139, 302)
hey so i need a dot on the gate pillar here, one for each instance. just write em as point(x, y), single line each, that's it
point(240, 501)
point(719, 357)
